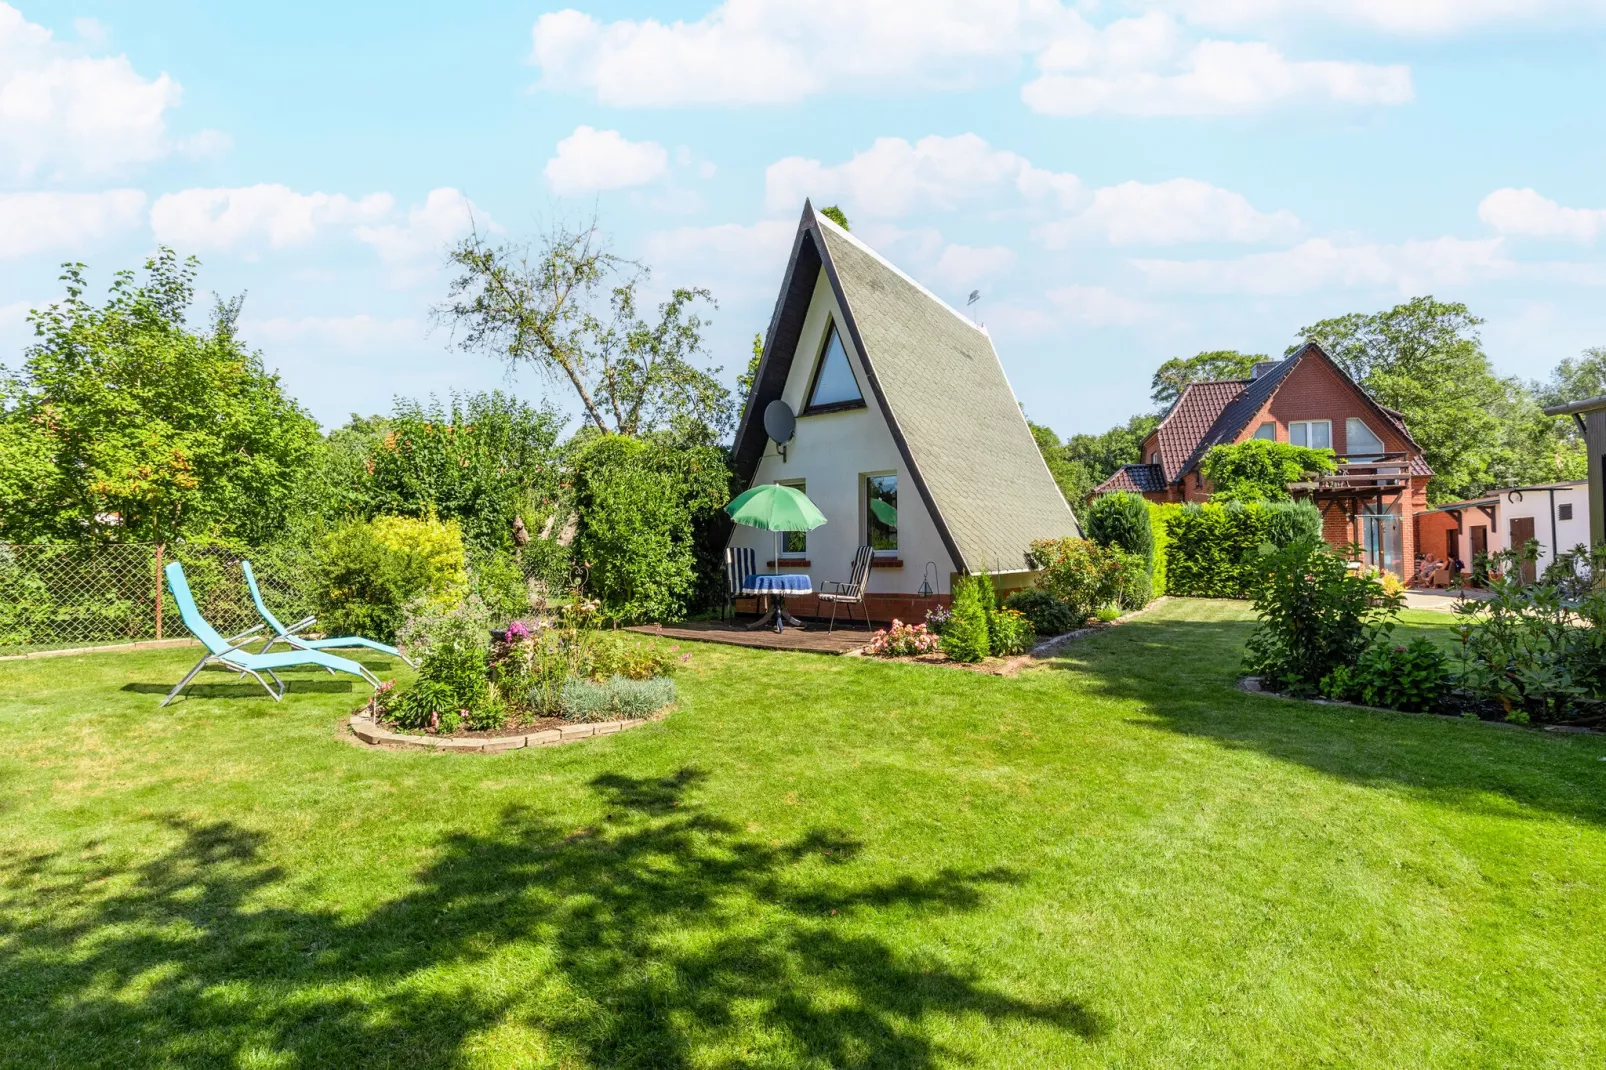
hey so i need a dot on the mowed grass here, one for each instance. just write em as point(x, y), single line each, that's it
point(1115, 859)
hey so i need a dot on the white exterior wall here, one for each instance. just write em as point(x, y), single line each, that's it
point(1536, 503)
point(834, 452)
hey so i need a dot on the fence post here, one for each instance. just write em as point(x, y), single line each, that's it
point(159, 590)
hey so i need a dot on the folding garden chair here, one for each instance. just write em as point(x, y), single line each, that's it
point(226, 652)
point(850, 593)
point(740, 563)
point(288, 634)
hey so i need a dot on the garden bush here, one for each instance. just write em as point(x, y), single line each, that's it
point(1527, 649)
point(903, 640)
point(1260, 470)
point(1315, 615)
point(453, 648)
point(368, 571)
point(1010, 633)
point(496, 577)
point(1083, 574)
point(1412, 676)
point(645, 511)
point(965, 638)
point(585, 700)
point(1121, 521)
point(1048, 615)
point(1212, 550)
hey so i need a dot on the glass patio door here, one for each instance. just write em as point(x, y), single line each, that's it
point(1383, 540)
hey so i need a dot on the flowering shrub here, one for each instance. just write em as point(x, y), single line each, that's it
point(1010, 633)
point(903, 640)
point(517, 631)
point(937, 619)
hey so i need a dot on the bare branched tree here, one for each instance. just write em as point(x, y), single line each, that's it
point(567, 307)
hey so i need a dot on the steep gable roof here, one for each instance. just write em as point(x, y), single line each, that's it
point(1190, 418)
point(938, 380)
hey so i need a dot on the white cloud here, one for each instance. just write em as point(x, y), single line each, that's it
point(445, 216)
point(1211, 78)
point(1172, 213)
point(773, 51)
point(777, 51)
point(37, 222)
point(17, 312)
point(893, 177)
point(1320, 263)
point(1097, 306)
point(729, 256)
point(351, 334)
point(224, 218)
point(1422, 17)
point(1527, 213)
point(962, 266)
point(589, 160)
point(64, 114)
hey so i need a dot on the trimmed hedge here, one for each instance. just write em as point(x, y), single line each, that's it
point(1162, 540)
point(1211, 549)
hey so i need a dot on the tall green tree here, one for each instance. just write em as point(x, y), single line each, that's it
point(1425, 359)
point(568, 309)
point(1084, 461)
point(129, 425)
point(1173, 377)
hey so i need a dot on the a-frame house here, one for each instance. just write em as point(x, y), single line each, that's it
point(908, 435)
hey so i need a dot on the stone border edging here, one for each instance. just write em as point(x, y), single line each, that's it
point(365, 729)
point(138, 644)
point(1250, 685)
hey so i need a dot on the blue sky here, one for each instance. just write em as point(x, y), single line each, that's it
point(1122, 182)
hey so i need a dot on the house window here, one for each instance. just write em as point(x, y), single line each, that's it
point(1267, 431)
point(881, 513)
point(1154, 458)
point(1564, 511)
point(1359, 442)
point(1317, 434)
point(834, 386)
point(795, 543)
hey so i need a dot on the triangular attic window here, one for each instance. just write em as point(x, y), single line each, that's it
point(834, 384)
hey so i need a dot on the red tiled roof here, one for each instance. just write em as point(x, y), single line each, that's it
point(1190, 419)
point(1138, 478)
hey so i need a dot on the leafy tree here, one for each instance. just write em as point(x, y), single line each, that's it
point(1260, 471)
point(1424, 358)
point(1172, 377)
point(1575, 379)
point(836, 215)
point(568, 309)
point(482, 461)
point(748, 379)
point(1085, 461)
point(129, 425)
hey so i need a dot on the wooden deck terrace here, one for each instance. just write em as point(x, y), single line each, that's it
point(812, 638)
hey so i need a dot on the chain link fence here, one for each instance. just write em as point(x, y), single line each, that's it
point(55, 596)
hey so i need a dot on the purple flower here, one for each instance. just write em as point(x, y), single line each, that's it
point(517, 631)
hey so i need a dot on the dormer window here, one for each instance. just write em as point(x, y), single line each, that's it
point(834, 386)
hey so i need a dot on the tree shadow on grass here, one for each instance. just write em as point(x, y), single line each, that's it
point(1184, 674)
point(660, 938)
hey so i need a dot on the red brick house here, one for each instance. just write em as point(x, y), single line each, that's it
point(1306, 399)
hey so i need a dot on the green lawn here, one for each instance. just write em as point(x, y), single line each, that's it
point(1116, 859)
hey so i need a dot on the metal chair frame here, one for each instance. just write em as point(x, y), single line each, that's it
point(852, 592)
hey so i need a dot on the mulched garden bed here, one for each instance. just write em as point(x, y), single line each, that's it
point(1456, 704)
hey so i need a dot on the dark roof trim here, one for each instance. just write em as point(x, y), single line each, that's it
point(852, 325)
point(1572, 408)
point(809, 255)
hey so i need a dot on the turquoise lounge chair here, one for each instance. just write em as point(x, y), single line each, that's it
point(225, 652)
point(289, 634)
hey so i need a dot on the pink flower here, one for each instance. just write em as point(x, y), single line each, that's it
point(516, 631)
point(685, 657)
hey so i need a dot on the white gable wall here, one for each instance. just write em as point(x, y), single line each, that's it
point(834, 452)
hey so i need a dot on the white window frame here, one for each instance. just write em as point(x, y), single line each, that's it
point(864, 497)
point(1306, 425)
point(1351, 452)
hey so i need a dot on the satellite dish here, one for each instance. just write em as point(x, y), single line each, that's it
point(780, 424)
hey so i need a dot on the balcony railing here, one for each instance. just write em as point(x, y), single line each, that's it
point(1376, 473)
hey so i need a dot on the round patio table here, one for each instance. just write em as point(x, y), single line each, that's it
point(776, 588)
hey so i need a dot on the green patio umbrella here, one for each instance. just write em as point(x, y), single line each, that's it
point(775, 508)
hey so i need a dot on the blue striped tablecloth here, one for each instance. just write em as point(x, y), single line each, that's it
point(782, 585)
